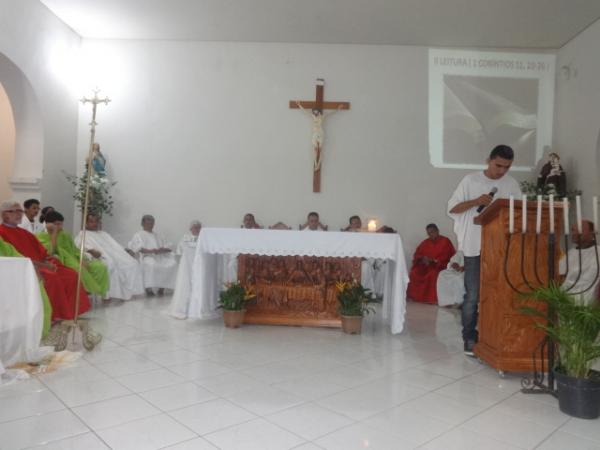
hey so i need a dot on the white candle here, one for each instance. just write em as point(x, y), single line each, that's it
point(511, 215)
point(524, 225)
point(551, 200)
point(595, 211)
point(372, 225)
point(566, 215)
point(578, 210)
point(538, 217)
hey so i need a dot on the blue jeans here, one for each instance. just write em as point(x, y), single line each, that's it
point(470, 307)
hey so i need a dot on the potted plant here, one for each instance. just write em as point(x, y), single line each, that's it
point(354, 301)
point(576, 331)
point(232, 301)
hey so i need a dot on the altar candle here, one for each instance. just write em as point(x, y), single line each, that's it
point(511, 215)
point(595, 211)
point(538, 217)
point(524, 225)
point(566, 215)
point(372, 225)
point(551, 200)
point(578, 209)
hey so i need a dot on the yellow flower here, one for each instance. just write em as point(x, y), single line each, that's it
point(249, 293)
point(341, 286)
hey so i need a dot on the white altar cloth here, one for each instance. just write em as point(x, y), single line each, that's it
point(21, 312)
point(213, 242)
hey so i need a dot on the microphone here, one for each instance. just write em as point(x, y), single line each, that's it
point(491, 194)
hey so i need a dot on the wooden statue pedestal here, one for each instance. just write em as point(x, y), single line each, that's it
point(295, 290)
point(508, 338)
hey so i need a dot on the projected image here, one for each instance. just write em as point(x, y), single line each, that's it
point(480, 112)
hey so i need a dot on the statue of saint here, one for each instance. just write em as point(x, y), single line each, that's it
point(552, 173)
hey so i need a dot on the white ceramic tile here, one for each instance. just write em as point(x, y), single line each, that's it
point(421, 378)
point(509, 429)
point(473, 394)
point(454, 366)
point(211, 416)
point(147, 381)
point(308, 446)
point(309, 421)
point(310, 388)
point(127, 366)
point(116, 411)
point(150, 433)
point(490, 379)
point(81, 393)
point(265, 400)
point(254, 435)
point(193, 444)
point(367, 400)
point(109, 354)
point(30, 404)
point(463, 439)
point(152, 348)
point(175, 357)
point(348, 376)
point(276, 372)
point(443, 408)
point(39, 430)
point(177, 396)
point(229, 383)
point(526, 407)
point(22, 387)
point(562, 441)
point(83, 372)
point(589, 429)
point(361, 437)
point(87, 441)
point(412, 426)
point(199, 369)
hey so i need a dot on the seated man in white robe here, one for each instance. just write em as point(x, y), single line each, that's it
point(451, 282)
point(124, 270)
point(581, 278)
point(159, 265)
point(189, 238)
point(32, 208)
point(313, 223)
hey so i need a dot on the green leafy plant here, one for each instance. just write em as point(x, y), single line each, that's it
point(354, 299)
point(532, 190)
point(575, 329)
point(234, 297)
point(100, 198)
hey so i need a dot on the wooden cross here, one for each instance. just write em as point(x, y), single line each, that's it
point(316, 112)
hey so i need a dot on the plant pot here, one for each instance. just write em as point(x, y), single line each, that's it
point(233, 318)
point(351, 324)
point(579, 397)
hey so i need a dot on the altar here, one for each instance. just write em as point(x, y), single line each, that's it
point(216, 244)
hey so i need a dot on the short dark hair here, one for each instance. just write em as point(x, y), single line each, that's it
point(54, 216)
point(29, 203)
point(502, 151)
point(147, 217)
point(45, 210)
point(313, 214)
point(352, 218)
point(432, 226)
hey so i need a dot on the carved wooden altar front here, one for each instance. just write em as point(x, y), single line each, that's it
point(295, 290)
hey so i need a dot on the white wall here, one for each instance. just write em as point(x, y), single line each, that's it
point(203, 130)
point(577, 113)
point(7, 144)
point(45, 50)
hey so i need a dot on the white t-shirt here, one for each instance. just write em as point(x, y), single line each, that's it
point(472, 186)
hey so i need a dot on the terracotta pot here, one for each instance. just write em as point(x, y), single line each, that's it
point(351, 324)
point(233, 319)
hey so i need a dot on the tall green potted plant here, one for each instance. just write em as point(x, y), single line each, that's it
point(232, 300)
point(354, 301)
point(576, 331)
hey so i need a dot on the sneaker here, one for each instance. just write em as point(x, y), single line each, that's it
point(468, 348)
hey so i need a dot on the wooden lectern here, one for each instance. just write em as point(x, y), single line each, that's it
point(507, 338)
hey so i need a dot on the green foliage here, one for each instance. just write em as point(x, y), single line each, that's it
point(100, 199)
point(532, 190)
point(576, 329)
point(354, 299)
point(235, 296)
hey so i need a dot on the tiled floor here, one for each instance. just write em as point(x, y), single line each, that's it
point(157, 382)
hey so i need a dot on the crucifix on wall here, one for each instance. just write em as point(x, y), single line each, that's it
point(315, 110)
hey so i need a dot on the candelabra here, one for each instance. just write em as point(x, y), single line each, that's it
point(546, 350)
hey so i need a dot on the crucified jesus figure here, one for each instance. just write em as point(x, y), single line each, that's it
point(318, 133)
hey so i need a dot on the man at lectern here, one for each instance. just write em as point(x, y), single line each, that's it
point(473, 194)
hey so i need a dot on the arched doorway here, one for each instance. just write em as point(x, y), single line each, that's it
point(25, 172)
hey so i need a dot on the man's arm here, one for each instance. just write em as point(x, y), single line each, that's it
point(461, 207)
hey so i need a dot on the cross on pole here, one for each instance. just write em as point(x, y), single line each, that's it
point(317, 115)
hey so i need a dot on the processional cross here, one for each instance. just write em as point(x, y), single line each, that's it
point(317, 115)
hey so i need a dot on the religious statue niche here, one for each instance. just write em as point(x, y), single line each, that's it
point(315, 111)
point(551, 176)
point(295, 290)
